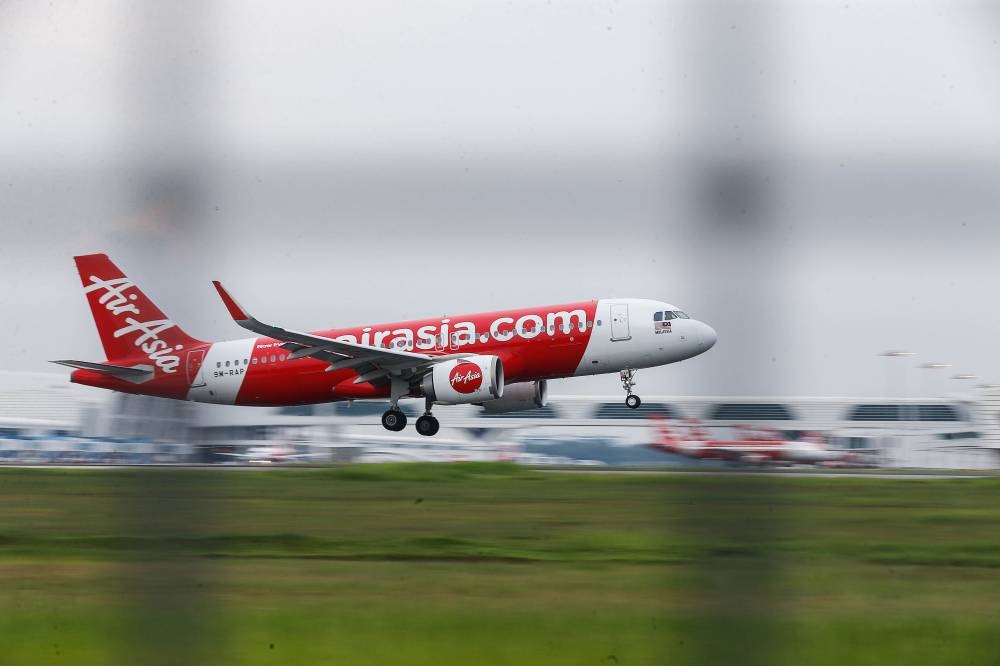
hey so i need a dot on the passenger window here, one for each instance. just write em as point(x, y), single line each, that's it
point(282, 357)
point(236, 363)
point(255, 361)
point(218, 364)
point(227, 364)
point(263, 359)
point(246, 362)
point(274, 359)
point(598, 322)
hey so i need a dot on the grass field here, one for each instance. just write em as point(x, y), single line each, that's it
point(491, 564)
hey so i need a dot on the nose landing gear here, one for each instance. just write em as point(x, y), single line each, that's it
point(632, 401)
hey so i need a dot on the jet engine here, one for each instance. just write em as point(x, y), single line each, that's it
point(519, 397)
point(466, 380)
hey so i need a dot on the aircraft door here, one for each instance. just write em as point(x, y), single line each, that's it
point(619, 322)
point(195, 372)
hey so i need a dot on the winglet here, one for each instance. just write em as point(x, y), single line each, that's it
point(237, 312)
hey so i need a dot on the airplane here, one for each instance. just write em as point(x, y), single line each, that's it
point(757, 446)
point(501, 358)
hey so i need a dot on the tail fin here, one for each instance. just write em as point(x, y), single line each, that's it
point(666, 438)
point(129, 323)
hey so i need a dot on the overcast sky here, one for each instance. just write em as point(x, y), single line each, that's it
point(816, 180)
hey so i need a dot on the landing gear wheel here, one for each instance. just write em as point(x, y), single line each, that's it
point(394, 420)
point(632, 401)
point(427, 425)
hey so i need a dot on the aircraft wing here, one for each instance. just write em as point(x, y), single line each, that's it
point(372, 364)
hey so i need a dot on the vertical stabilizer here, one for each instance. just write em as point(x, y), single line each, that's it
point(129, 323)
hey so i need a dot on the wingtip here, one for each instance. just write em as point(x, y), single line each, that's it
point(235, 311)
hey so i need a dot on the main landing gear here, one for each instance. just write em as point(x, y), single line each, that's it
point(395, 420)
point(427, 425)
point(632, 401)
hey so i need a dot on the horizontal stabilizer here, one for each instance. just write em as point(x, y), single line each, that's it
point(136, 374)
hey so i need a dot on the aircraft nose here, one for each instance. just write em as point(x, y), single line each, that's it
point(706, 336)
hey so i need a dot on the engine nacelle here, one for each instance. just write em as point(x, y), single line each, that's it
point(465, 380)
point(519, 397)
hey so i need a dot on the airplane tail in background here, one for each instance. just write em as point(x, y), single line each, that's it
point(129, 323)
point(666, 438)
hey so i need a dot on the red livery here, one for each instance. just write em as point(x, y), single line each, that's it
point(497, 357)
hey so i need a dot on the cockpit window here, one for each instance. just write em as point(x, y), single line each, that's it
point(680, 315)
point(658, 316)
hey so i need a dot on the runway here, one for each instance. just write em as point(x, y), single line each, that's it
point(797, 473)
point(902, 475)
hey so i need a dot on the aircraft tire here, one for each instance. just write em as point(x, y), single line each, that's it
point(394, 420)
point(427, 425)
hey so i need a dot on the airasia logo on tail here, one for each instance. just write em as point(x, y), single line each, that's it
point(466, 377)
point(117, 301)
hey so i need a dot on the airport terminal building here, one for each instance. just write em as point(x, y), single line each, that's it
point(45, 419)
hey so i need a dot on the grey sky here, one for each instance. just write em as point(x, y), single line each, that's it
point(816, 180)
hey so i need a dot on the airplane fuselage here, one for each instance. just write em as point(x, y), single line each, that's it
point(569, 340)
point(464, 359)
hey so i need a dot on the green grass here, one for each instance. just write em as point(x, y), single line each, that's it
point(493, 564)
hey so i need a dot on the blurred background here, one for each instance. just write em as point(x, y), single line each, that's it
point(818, 181)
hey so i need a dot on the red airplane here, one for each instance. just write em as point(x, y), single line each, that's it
point(502, 357)
point(758, 446)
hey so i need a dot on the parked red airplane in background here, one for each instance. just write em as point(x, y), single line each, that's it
point(500, 357)
point(756, 446)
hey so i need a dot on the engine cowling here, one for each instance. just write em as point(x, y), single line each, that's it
point(466, 380)
point(519, 397)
